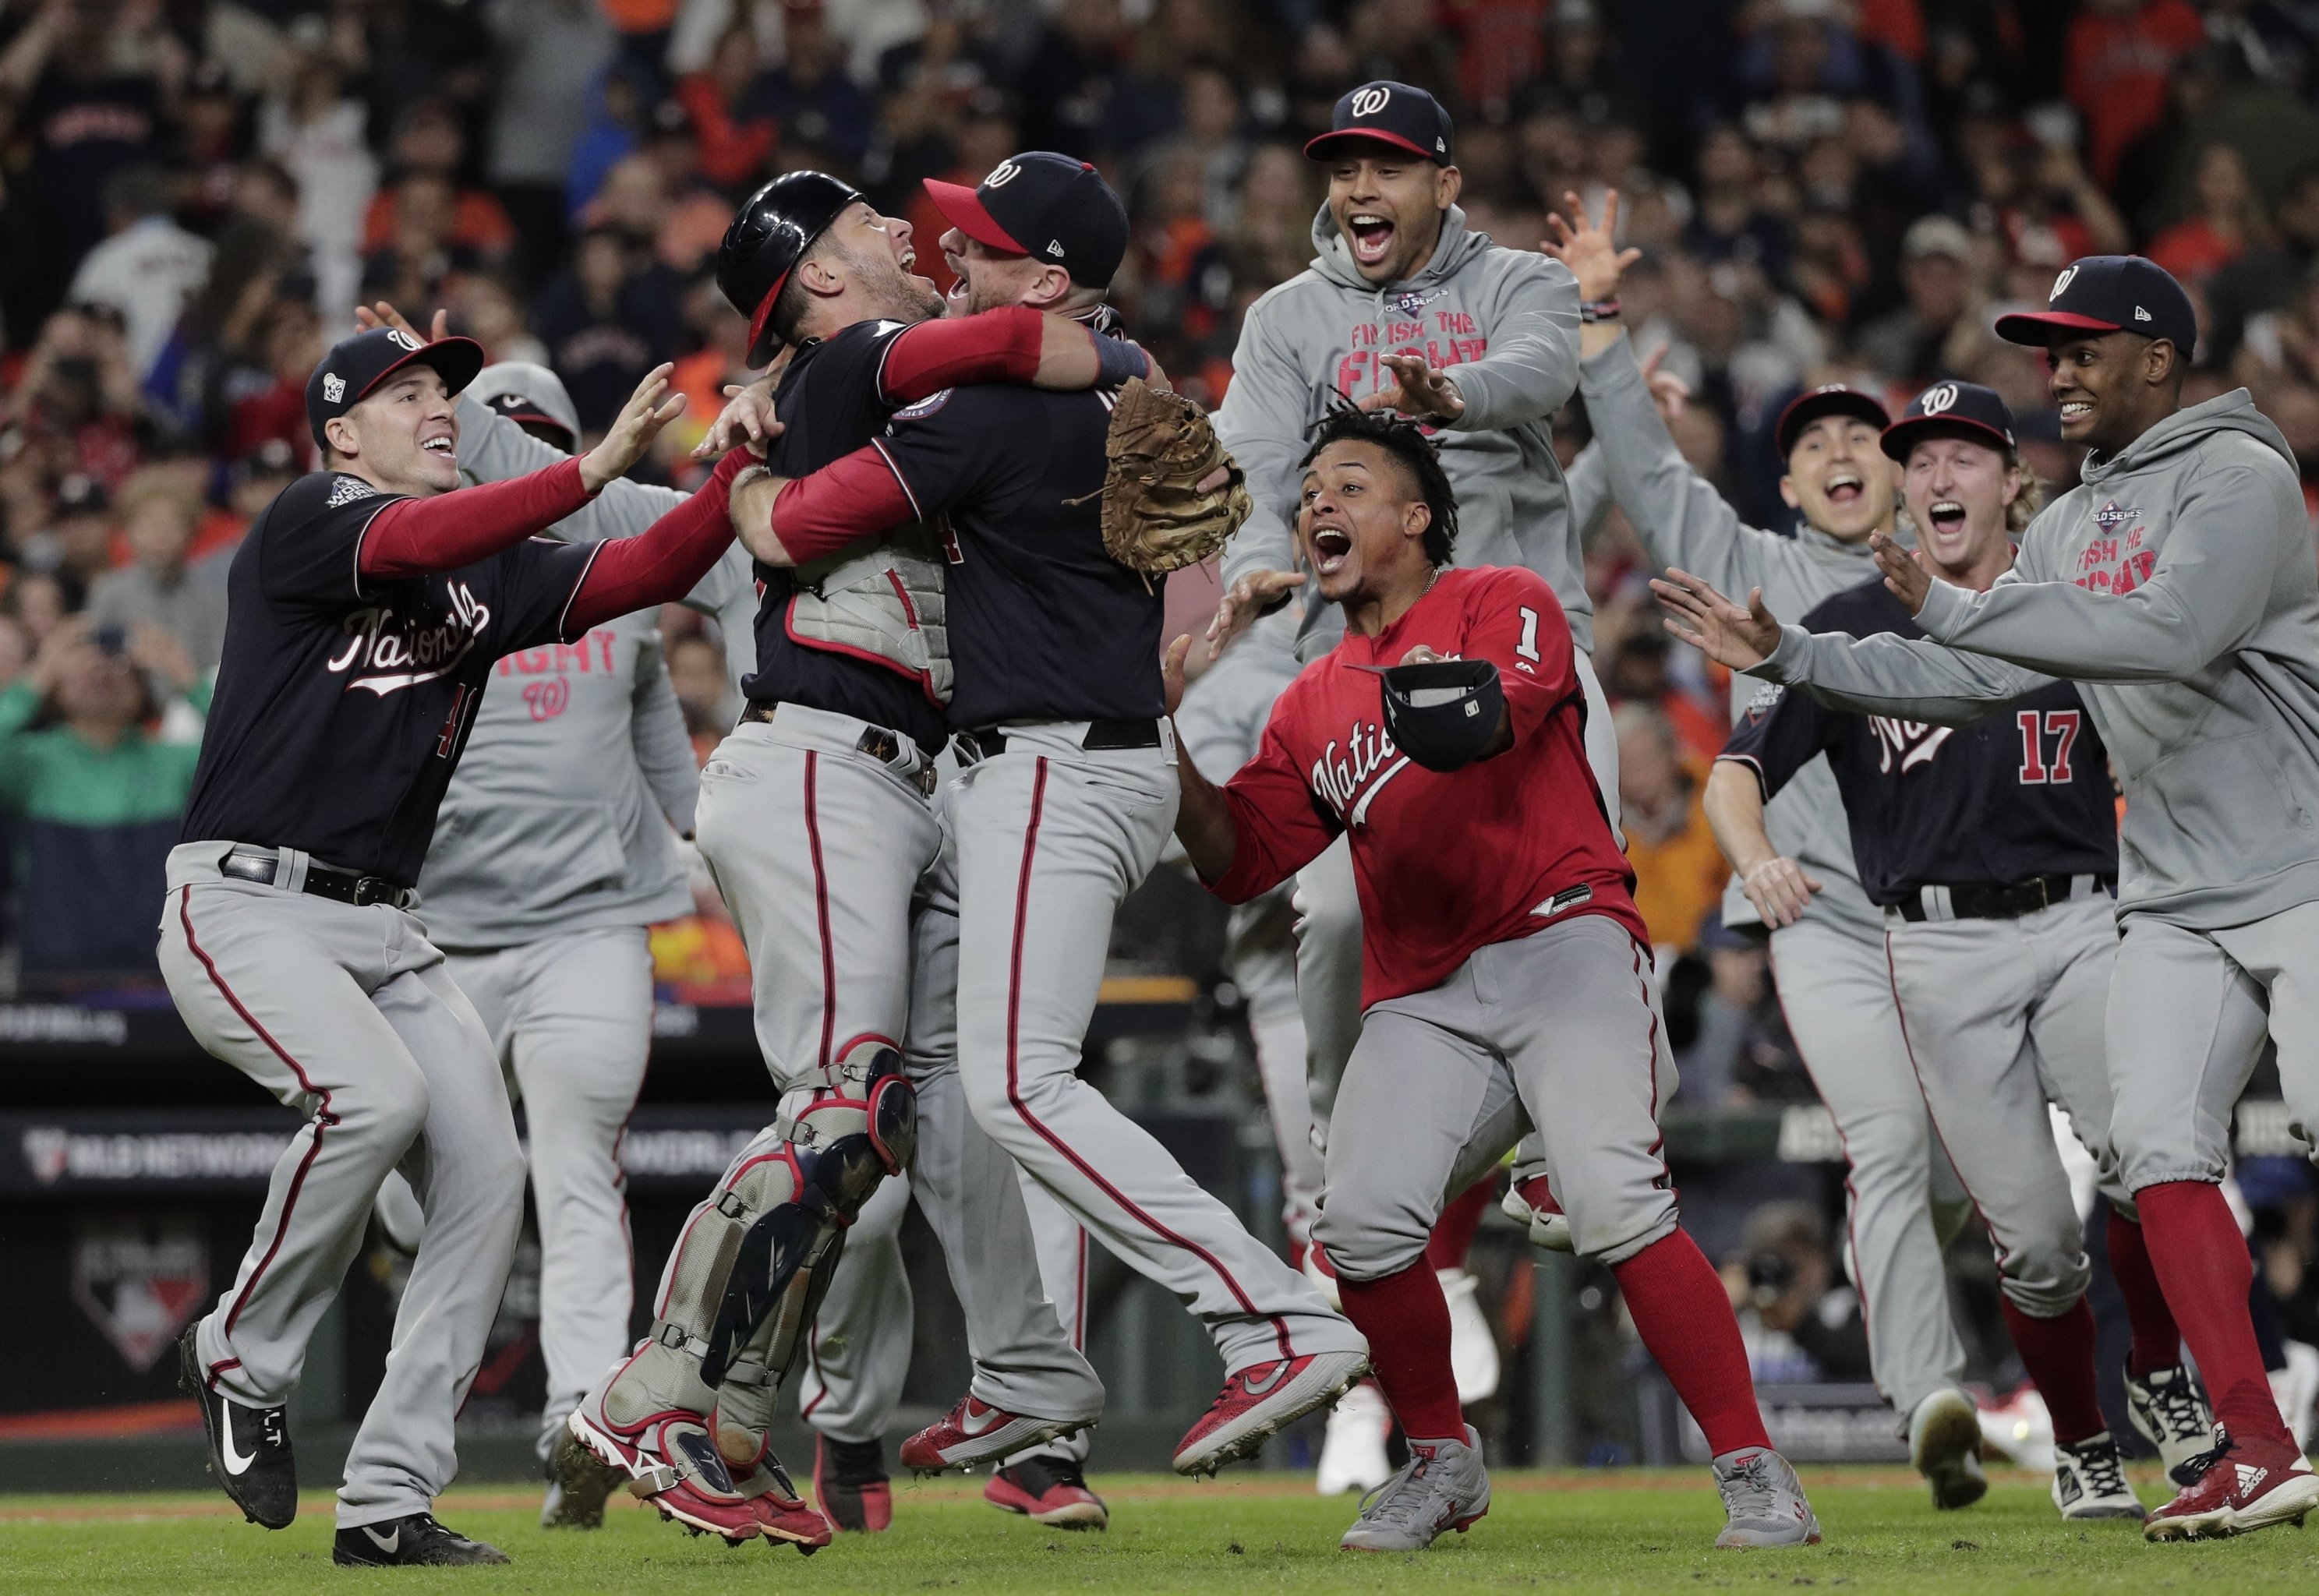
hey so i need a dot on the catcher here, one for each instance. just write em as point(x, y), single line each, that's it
point(1069, 785)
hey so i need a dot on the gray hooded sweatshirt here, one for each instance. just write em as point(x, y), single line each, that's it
point(2177, 582)
point(1683, 521)
point(1504, 322)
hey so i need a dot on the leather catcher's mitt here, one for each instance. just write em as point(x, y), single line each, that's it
point(1155, 516)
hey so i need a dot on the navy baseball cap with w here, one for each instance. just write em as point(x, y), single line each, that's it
point(2109, 294)
point(356, 365)
point(1388, 113)
point(1054, 208)
point(1951, 410)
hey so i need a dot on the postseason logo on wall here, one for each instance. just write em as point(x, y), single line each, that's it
point(140, 1281)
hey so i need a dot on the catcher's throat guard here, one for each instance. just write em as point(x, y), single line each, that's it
point(1444, 712)
point(755, 1260)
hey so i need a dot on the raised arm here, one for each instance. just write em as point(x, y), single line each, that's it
point(2196, 602)
point(1262, 423)
point(667, 561)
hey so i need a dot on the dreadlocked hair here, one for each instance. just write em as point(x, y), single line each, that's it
point(1406, 442)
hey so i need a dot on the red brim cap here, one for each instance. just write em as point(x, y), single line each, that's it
point(961, 207)
point(759, 348)
point(1904, 435)
point(1317, 149)
point(2031, 326)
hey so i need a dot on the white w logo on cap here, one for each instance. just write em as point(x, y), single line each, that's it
point(1371, 100)
point(1937, 399)
point(403, 339)
point(2061, 284)
point(1001, 174)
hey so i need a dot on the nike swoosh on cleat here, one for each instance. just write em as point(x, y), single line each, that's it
point(990, 1421)
point(384, 1543)
point(1256, 1386)
point(236, 1463)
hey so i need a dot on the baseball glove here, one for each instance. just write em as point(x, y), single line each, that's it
point(1156, 516)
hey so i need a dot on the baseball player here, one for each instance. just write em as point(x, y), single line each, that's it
point(368, 605)
point(816, 823)
point(1066, 795)
point(1992, 849)
point(2176, 583)
point(1829, 962)
point(1505, 969)
point(554, 850)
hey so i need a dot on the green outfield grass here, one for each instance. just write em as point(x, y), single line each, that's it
point(1633, 1530)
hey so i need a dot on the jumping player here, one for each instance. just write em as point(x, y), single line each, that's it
point(1828, 962)
point(1506, 979)
point(1992, 849)
point(1067, 796)
point(2176, 583)
point(369, 603)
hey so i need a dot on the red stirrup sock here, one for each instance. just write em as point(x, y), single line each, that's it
point(1406, 1320)
point(1453, 1232)
point(2202, 1262)
point(2059, 1354)
point(1684, 1318)
point(2157, 1338)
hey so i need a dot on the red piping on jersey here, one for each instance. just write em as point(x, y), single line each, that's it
point(1023, 1109)
point(1657, 1149)
point(821, 911)
point(323, 1119)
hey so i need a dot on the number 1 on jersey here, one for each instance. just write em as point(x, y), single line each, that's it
point(1527, 648)
point(2062, 727)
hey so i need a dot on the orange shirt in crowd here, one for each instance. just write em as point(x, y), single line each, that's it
point(1679, 878)
point(731, 152)
point(479, 222)
point(2114, 70)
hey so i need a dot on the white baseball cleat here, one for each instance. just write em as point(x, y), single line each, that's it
point(1944, 1447)
point(1352, 1449)
point(2170, 1413)
point(1531, 1204)
point(2090, 1481)
point(1472, 1345)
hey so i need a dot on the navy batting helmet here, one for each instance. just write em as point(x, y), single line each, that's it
point(768, 238)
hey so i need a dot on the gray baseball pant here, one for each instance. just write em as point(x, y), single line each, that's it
point(2001, 1017)
point(858, 1352)
point(2186, 1019)
point(570, 1017)
point(1560, 1030)
point(1835, 988)
point(1260, 952)
point(829, 860)
point(1051, 837)
point(348, 1016)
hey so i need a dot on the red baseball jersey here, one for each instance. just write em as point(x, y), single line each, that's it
point(1445, 864)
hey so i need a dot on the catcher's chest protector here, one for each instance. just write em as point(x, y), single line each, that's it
point(887, 605)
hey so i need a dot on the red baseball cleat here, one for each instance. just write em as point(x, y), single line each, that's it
point(2243, 1485)
point(783, 1517)
point(670, 1462)
point(974, 1432)
point(1261, 1399)
point(1048, 1490)
point(1532, 1205)
point(849, 1481)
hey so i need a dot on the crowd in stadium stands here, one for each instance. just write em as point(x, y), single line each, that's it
point(195, 193)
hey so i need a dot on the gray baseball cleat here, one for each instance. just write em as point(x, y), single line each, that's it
point(2168, 1412)
point(1763, 1501)
point(2090, 1481)
point(1443, 1486)
point(1944, 1447)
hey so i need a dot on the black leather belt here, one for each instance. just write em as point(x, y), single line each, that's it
point(884, 747)
point(1103, 737)
point(1986, 900)
point(322, 881)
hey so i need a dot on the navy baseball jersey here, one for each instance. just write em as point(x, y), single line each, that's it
point(2020, 793)
point(830, 403)
point(342, 705)
point(1044, 624)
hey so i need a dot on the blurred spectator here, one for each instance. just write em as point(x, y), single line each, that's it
point(616, 129)
point(696, 670)
point(549, 53)
point(93, 802)
point(2115, 71)
point(430, 139)
point(149, 266)
point(608, 319)
point(41, 601)
point(2265, 278)
point(732, 114)
point(78, 542)
point(1738, 1050)
point(315, 129)
point(1906, 347)
point(2226, 224)
point(1798, 1318)
point(1082, 96)
point(422, 262)
point(156, 591)
point(1679, 871)
point(814, 103)
point(80, 393)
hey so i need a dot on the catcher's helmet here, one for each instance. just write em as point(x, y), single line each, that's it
point(1443, 713)
point(766, 240)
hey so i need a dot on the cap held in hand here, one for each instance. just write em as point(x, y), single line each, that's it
point(1443, 713)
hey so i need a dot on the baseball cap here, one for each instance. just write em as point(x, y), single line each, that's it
point(529, 396)
point(355, 366)
point(1054, 208)
point(81, 494)
point(1830, 399)
point(1389, 112)
point(2109, 294)
point(1936, 235)
point(1956, 409)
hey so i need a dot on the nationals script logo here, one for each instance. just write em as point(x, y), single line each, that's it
point(1347, 777)
point(1912, 743)
point(389, 652)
